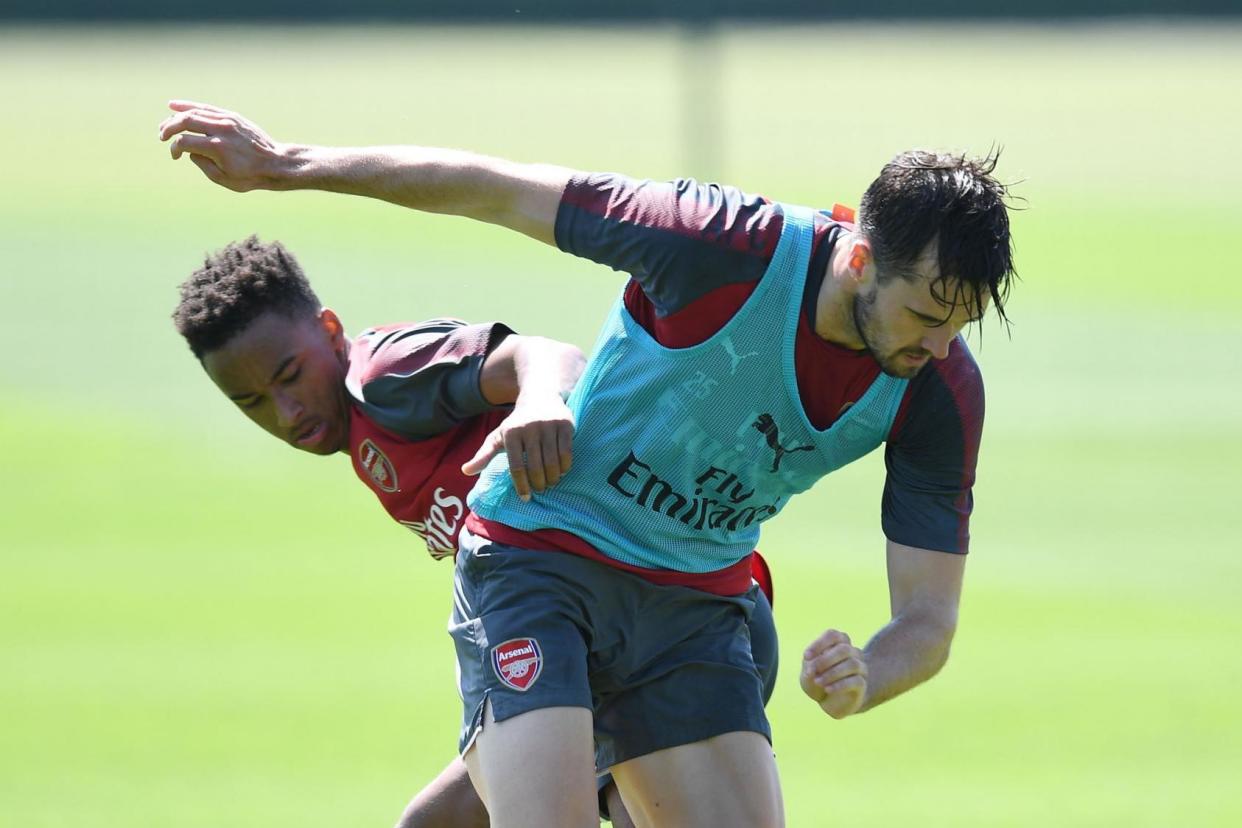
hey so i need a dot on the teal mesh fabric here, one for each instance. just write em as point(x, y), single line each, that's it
point(680, 454)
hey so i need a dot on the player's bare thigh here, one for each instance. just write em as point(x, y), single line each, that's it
point(450, 801)
point(728, 780)
point(536, 770)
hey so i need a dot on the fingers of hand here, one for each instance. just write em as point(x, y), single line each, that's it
point(807, 682)
point(836, 677)
point(532, 451)
point(849, 686)
point(492, 445)
point(209, 168)
point(827, 640)
point(195, 144)
point(835, 665)
point(565, 445)
point(517, 463)
point(550, 449)
point(544, 448)
point(181, 105)
point(845, 697)
point(193, 121)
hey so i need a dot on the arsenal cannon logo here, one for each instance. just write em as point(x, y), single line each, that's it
point(518, 662)
point(378, 466)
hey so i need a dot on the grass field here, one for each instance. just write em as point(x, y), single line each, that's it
point(198, 628)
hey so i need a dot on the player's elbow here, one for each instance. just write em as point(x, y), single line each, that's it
point(942, 642)
point(937, 626)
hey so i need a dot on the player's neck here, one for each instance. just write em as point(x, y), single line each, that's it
point(834, 318)
point(345, 395)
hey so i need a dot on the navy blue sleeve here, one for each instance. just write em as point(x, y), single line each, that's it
point(931, 456)
point(420, 380)
point(679, 240)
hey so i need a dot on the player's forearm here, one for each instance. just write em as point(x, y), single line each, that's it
point(545, 366)
point(522, 197)
point(421, 178)
point(530, 368)
point(534, 374)
point(905, 653)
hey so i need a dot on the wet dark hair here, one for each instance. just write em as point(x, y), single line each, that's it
point(234, 287)
point(922, 195)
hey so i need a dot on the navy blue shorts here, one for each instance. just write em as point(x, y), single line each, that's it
point(659, 666)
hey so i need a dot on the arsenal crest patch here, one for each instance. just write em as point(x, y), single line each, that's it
point(378, 466)
point(518, 662)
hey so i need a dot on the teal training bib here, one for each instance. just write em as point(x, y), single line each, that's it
point(680, 454)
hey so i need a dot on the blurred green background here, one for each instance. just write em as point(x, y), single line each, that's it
point(201, 628)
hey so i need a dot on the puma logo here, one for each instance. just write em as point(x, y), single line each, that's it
point(734, 359)
point(767, 426)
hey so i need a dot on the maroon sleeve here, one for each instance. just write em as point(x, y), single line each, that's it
point(679, 240)
point(421, 379)
point(931, 456)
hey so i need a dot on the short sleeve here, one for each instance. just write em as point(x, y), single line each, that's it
point(932, 454)
point(678, 240)
point(421, 379)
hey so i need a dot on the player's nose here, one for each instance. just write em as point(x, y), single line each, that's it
point(938, 342)
point(288, 410)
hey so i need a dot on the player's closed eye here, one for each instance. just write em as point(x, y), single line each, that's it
point(929, 321)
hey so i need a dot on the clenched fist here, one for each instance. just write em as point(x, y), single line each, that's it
point(834, 674)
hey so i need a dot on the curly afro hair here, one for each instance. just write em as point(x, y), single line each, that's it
point(235, 286)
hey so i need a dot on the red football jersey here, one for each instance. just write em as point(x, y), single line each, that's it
point(420, 483)
point(418, 413)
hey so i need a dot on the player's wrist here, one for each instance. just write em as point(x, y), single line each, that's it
point(294, 167)
point(539, 393)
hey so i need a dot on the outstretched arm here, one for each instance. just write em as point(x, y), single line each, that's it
point(925, 587)
point(535, 375)
point(236, 153)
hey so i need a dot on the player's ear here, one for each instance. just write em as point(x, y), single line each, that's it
point(860, 261)
point(333, 328)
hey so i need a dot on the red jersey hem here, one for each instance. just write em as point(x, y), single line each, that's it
point(732, 580)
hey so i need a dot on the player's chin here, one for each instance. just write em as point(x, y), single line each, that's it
point(904, 366)
point(321, 450)
point(338, 439)
point(901, 371)
point(328, 438)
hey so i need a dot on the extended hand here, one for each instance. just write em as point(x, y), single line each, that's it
point(230, 150)
point(834, 674)
point(538, 439)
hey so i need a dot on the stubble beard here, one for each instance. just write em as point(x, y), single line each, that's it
point(863, 315)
